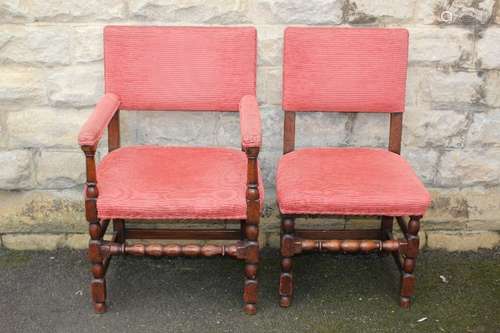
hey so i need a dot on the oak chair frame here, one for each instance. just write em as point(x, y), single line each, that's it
point(100, 251)
point(296, 241)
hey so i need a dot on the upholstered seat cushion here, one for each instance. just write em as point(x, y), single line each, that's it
point(349, 181)
point(150, 182)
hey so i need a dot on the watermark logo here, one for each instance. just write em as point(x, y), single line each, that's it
point(446, 17)
point(464, 16)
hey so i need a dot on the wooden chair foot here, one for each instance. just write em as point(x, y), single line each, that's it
point(285, 301)
point(404, 302)
point(250, 297)
point(250, 309)
point(98, 291)
point(286, 288)
point(100, 308)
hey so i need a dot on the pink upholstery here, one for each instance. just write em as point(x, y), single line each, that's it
point(91, 131)
point(180, 68)
point(250, 127)
point(148, 182)
point(345, 69)
point(349, 181)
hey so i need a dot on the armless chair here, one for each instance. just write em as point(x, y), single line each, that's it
point(347, 70)
point(183, 69)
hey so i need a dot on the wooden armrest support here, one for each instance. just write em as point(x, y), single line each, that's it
point(252, 193)
point(91, 192)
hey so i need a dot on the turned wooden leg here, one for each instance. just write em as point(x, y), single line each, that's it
point(287, 252)
point(251, 232)
point(251, 266)
point(408, 277)
point(386, 225)
point(98, 283)
point(119, 229)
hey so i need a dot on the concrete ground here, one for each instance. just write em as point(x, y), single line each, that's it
point(48, 292)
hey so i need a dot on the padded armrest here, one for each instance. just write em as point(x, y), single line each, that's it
point(91, 132)
point(251, 134)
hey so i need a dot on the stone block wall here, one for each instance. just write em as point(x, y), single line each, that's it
point(51, 75)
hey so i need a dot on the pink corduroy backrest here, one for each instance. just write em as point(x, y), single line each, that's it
point(345, 69)
point(180, 68)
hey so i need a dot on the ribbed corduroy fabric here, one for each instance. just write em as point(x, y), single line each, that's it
point(349, 181)
point(91, 132)
point(180, 68)
point(149, 182)
point(344, 69)
point(250, 127)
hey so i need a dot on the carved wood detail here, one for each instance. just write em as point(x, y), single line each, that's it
point(288, 249)
point(347, 246)
point(238, 250)
point(96, 230)
point(408, 265)
point(251, 233)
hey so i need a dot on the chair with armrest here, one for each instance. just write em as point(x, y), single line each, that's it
point(178, 69)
